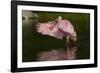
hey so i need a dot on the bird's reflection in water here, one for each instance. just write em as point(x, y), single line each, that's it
point(59, 54)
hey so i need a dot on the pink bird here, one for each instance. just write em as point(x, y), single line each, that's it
point(59, 28)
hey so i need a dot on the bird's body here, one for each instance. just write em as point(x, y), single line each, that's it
point(59, 29)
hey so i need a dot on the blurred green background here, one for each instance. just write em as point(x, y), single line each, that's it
point(34, 42)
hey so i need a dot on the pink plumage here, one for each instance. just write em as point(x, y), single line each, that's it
point(67, 27)
point(59, 28)
point(50, 29)
point(44, 28)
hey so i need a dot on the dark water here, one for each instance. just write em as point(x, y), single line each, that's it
point(34, 42)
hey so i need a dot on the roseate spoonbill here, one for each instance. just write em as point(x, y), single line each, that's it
point(59, 28)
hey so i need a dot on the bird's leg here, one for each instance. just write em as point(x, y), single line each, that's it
point(67, 39)
point(66, 43)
